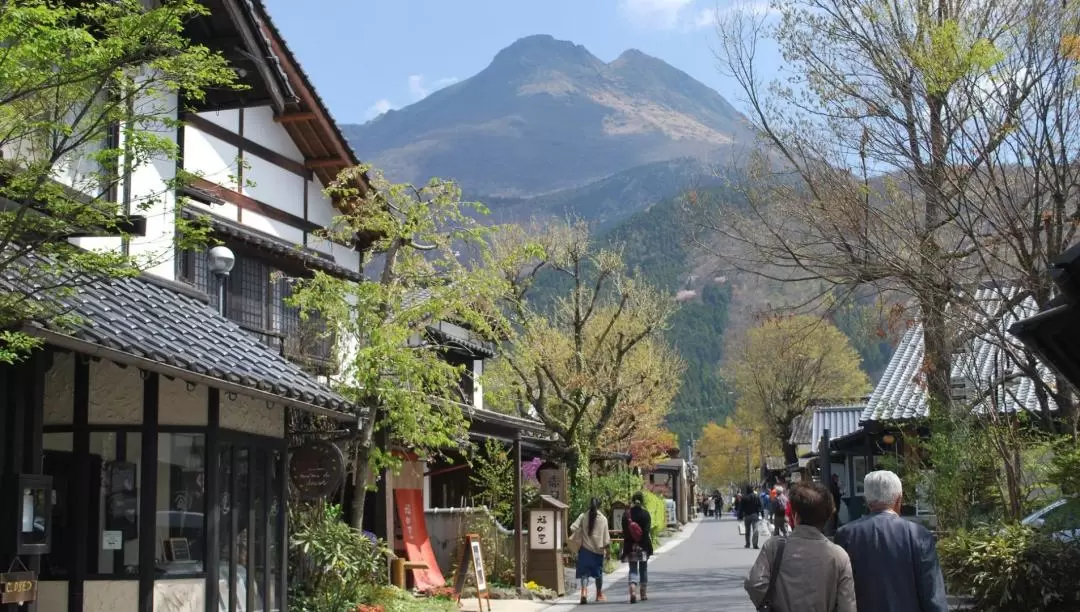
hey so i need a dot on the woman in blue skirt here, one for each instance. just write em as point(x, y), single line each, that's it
point(591, 530)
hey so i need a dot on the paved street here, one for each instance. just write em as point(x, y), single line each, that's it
point(703, 572)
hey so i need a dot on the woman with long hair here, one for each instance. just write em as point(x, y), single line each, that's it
point(590, 531)
point(637, 545)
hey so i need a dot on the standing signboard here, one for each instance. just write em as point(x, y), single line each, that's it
point(471, 554)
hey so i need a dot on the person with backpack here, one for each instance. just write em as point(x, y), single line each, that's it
point(637, 545)
point(590, 534)
point(780, 505)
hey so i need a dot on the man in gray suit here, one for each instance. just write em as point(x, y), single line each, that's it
point(894, 561)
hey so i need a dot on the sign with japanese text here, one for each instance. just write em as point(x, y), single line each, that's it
point(542, 532)
point(471, 554)
point(410, 507)
point(552, 481)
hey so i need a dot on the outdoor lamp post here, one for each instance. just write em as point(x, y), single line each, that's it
point(222, 261)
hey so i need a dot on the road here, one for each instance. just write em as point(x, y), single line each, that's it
point(705, 571)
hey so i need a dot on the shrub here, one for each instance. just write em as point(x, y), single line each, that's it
point(330, 564)
point(655, 506)
point(1012, 568)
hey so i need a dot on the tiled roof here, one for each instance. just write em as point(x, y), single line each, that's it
point(839, 420)
point(150, 323)
point(800, 429)
point(901, 392)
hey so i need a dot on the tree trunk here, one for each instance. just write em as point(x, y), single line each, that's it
point(362, 470)
point(937, 356)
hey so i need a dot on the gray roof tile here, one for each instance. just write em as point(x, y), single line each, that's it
point(901, 392)
point(149, 320)
point(839, 420)
point(800, 429)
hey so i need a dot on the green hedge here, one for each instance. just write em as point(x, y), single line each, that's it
point(1006, 569)
point(655, 505)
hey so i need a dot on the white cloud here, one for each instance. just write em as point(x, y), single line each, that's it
point(419, 88)
point(380, 107)
point(707, 18)
point(664, 14)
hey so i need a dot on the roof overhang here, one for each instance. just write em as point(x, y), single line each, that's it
point(1054, 336)
point(122, 357)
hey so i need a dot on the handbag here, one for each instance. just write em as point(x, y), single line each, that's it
point(766, 605)
point(576, 539)
point(742, 528)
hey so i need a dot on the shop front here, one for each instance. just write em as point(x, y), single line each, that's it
point(157, 430)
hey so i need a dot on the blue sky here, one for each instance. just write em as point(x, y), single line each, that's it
point(367, 56)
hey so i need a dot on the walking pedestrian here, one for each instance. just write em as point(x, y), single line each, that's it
point(590, 531)
point(817, 576)
point(779, 517)
point(895, 561)
point(637, 545)
point(750, 509)
point(712, 506)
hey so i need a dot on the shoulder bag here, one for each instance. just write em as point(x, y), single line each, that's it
point(774, 574)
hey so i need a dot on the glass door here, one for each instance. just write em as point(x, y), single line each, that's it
point(252, 525)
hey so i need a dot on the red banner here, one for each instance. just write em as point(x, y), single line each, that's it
point(410, 507)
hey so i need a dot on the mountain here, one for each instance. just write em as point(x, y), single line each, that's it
point(547, 115)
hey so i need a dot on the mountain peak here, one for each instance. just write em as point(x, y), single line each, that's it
point(544, 49)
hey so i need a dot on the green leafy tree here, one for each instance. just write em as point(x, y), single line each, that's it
point(787, 362)
point(492, 477)
point(86, 92)
point(391, 367)
point(593, 364)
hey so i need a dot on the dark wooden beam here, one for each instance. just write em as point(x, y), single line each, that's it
point(324, 162)
point(295, 117)
point(244, 202)
point(247, 31)
point(248, 146)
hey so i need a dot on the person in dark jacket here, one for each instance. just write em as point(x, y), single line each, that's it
point(894, 561)
point(636, 552)
point(750, 510)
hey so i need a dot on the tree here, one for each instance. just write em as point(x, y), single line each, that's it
point(787, 362)
point(869, 133)
point(594, 366)
point(391, 367)
point(726, 453)
point(86, 92)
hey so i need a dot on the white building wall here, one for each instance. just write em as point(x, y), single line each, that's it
point(273, 185)
point(260, 127)
point(255, 416)
point(321, 210)
point(228, 119)
point(210, 158)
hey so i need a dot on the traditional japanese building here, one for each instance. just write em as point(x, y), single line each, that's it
point(144, 448)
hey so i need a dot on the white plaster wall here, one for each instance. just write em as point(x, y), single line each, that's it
point(259, 126)
point(116, 394)
point(152, 194)
point(262, 223)
point(211, 158)
point(179, 406)
point(52, 595)
point(271, 184)
point(343, 256)
point(110, 595)
point(252, 416)
point(478, 383)
point(60, 390)
point(179, 596)
point(320, 210)
point(228, 119)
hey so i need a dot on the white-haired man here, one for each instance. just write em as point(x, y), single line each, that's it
point(894, 561)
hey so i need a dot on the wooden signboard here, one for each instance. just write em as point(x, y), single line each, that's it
point(471, 553)
point(18, 587)
point(316, 469)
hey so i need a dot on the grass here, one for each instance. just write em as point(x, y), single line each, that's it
point(392, 599)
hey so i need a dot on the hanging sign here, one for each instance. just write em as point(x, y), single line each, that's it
point(18, 587)
point(471, 554)
point(316, 469)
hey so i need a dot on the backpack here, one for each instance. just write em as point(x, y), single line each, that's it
point(634, 529)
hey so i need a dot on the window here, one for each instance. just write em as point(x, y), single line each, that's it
point(256, 292)
point(859, 469)
point(115, 458)
point(181, 504)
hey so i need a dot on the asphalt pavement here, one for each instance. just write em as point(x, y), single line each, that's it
point(702, 569)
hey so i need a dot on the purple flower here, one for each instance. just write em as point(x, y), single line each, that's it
point(530, 468)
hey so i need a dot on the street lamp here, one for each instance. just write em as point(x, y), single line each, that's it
point(222, 261)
